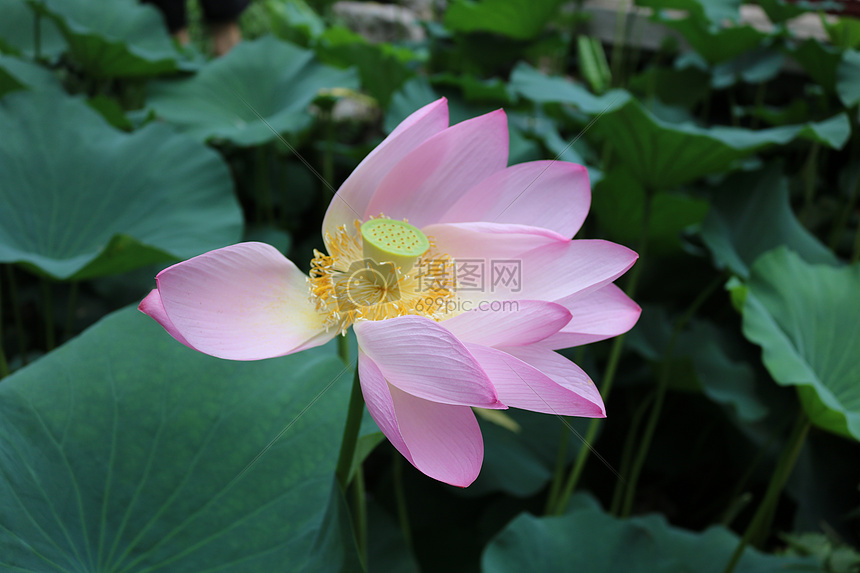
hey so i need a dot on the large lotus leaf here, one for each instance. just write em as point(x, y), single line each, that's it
point(266, 79)
point(660, 154)
point(519, 19)
point(750, 215)
point(590, 540)
point(18, 32)
point(17, 74)
point(82, 199)
point(805, 319)
point(848, 78)
point(116, 39)
point(755, 66)
point(819, 60)
point(714, 42)
point(126, 451)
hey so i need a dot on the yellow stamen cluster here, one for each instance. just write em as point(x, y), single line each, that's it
point(347, 287)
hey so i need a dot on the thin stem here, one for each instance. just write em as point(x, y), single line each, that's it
point(558, 475)
point(16, 314)
point(662, 386)
point(810, 171)
point(343, 348)
point(759, 103)
point(617, 61)
point(48, 301)
point(359, 515)
point(627, 452)
point(354, 490)
point(350, 433)
point(761, 521)
point(70, 311)
point(400, 499)
point(593, 427)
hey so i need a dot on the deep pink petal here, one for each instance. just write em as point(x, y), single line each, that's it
point(521, 385)
point(508, 323)
point(351, 200)
point(596, 316)
point(554, 195)
point(440, 440)
point(243, 302)
point(424, 359)
point(151, 306)
point(433, 176)
point(488, 241)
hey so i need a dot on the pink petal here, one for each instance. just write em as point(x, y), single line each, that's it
point(554, 195)
point(432, 177)
point(350, 202)
point(597, 316)
point(243, 302)
point(151, 306)
point(487, 241)
point(442, 441)
point(508, 323)
point(424, 359)
point(523, 385)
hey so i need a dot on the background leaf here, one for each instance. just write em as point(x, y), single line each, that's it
point(805, 319)
point(82, 199)
point(268, 77)
point(589, 540)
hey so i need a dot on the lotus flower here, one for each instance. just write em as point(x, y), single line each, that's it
point(457, 273)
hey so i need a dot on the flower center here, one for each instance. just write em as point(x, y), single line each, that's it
point(398, 242)
point(385, 269)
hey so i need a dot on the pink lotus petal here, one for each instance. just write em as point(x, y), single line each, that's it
point(440, 440)
point(243, 302)
point(554, 195)
point(553, 271)
point(561, 370)
point(487, 241)
point(151, 306)
point(351, 200)
point(508, 323)
point(427, 181)
point(424, 359)
point(522, 385)
point(597, 316)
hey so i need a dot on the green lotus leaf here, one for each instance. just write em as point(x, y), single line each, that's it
point(750, 215)
point(116, 39)
point(805, 319)
point(125, 451)
point(18, 32)
point(257, 91)
point(519, 19)
point(848, 78)
point(17, 74)
point(82, 199)
point(587, 539)
point(661, 154)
